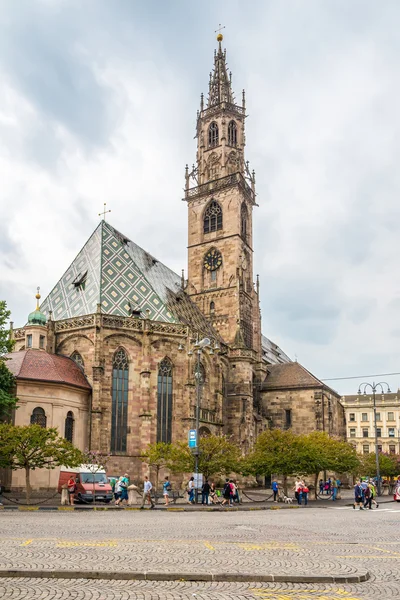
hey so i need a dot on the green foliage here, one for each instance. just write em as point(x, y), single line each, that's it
point(7, 380)
point(324, 453)
point(33, 447)
point(6, 345)
point(218, 456)
point(275, 451)
point(389, 464)
point(158, 456)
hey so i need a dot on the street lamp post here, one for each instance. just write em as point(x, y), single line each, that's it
point(363, 389)
point(199, 347)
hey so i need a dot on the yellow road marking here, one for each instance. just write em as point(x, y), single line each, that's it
point(209, 546)
point(86, 544)
point(302, 595)
point(27, 543)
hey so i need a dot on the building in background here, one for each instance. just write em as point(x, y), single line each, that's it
point(360, 427)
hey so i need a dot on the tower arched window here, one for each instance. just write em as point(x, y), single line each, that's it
point(212, 307)
point(119, 410)
point(69, 426)
point(213, 135)
point(164, 401)
point(243, 221)
point(213, 217)
point(232, 134)
point(77, 358)
point(38, 417)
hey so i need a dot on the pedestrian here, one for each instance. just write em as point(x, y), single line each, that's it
point(166, 490)
point(214, 495)
point(147, 487)
point(122, 490)
point(304, 492)
point(275, 489)
point(321, 486)
point(1, 492)
point(232, 486)
point(372, 487)
point(71, 484)
point(367, 498)
point(226, 492)
point(117, 491)
point(297, 490)
point(334, 489)
point(358, 495)
point(191, 490)
point(205, 491)
point(236, 496)
point(326, 488)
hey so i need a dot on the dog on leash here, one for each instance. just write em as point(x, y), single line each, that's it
point(287, 500)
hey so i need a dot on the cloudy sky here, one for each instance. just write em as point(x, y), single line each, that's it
point(98, 101)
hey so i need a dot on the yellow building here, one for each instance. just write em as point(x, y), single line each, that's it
point(360, 429)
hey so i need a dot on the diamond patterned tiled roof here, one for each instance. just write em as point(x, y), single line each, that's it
point(115, 272)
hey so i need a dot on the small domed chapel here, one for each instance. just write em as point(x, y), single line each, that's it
point(109, 356)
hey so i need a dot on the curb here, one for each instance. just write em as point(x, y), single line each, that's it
point(158, 576)
point(216, 509)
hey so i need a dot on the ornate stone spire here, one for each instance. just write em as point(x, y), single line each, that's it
point(220, 89)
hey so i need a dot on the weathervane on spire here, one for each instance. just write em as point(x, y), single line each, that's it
point(220, 37)
point(104, 211)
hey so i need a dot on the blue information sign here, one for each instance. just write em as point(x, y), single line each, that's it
point(192, 438)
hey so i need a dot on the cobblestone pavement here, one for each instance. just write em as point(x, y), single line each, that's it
point(307, 540)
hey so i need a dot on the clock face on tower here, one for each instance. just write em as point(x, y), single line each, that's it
point(213, 260)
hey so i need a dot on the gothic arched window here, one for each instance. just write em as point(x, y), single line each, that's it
point(69, 426)
point(212, 307)
point(232, 134)
point(213, 135)
point(77, 358)
point(164, 401)
point(38, 417)
point(200, 374)
point(119, 410)
point(243, 221)
point(213, 217)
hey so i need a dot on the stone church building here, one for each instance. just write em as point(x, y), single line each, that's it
point(109, 356)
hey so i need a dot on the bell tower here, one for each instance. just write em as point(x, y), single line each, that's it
point(220, 193)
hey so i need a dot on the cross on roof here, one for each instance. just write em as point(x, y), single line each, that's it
point(220, 28)
point(104, 211)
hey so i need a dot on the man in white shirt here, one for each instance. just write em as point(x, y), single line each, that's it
point(147, 487)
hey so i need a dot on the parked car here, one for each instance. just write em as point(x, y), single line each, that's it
point(91, 483)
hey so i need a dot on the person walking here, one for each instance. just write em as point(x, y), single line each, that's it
point(321, 487)
point(166, 490)
point(71, 489)
point(205, 492)
point(232, 486)
point(147, 487)
point(121, 491)
point(226, 493)
point(191, 490)
point(275, 489)
point(297, 489)
point(334, 489)
point(304, 493)
point(372, 487)
point(358, 495)
point(367, 498)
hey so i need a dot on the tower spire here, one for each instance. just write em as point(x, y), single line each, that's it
point(220, 89)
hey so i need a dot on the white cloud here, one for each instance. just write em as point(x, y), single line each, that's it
point(102, 109)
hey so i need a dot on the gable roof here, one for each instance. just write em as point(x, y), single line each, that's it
point(116, 273)
point(289, 375)
point(41, 366)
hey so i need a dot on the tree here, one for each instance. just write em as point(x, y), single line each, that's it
point(8, 400)
point(320, 452)
point(275, 451)
point(217, 456)
point(97, 461)
point(158, 456)
point(33, 447)
point(389, 464)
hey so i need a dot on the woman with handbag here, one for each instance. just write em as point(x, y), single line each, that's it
point(71, 489)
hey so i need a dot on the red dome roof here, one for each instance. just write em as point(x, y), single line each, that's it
point(41, 366)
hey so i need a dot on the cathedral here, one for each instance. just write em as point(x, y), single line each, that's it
point(110, 355)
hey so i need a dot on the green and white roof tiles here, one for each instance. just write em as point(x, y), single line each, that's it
point(121, 276)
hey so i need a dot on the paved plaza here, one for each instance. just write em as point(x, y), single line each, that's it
point(304, 541)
